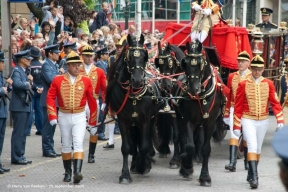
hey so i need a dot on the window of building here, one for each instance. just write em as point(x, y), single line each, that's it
point(164, 9)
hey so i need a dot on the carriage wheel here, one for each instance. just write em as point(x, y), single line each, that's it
point(240, 152)
point(219, 136)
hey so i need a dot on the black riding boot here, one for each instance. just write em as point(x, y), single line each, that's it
point(68, 170)
point(246, 166)
point(92, 148)
point(254, 174)
point(248, 179)
point(233, 158)
point(77, 171)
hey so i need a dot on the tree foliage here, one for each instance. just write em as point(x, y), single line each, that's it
point(77, 12)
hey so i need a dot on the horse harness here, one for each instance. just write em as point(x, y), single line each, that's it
point(148, 87)
point(204, 94)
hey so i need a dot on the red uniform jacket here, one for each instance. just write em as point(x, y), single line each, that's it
point(71, 98)
point(252, 101)
point(233, 80)
point(98, 79)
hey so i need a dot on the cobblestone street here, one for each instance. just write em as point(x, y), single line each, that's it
point(45, 174)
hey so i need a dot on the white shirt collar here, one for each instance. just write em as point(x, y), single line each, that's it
point(87, 68)
point(242, 73)
point(72, 78)
point(256, 80)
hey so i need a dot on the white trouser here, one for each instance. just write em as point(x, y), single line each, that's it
point(73, 128)
point(200, 36)
point(111, 127)
point(87, 110)
point(254, 132)
point(231, 123)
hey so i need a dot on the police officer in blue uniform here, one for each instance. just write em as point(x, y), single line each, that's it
point(35, 71)
point(68, 47)
point(266, 24)
point(279, 144)
point(3, 108)
point(103, 55)
point(48, 72)
point(20, 107)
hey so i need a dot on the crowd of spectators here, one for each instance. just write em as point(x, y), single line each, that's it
point(99, 30)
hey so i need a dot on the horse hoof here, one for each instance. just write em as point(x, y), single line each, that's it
point(205, 184)
point(146, 171)
point(125, 180)
point(187, 177)
point(174, 166)
point(133, 171)
point(162, 155)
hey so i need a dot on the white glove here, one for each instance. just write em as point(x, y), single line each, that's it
point(197, 7)
point(103, 106)
point(226, 120)
point(97, 101)
point(237, 133)
point(54, 122)
point(279, 126)
point(93, 130)
point(207, 11)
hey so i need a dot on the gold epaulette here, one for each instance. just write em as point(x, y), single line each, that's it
point(274, 24)
point(215, 9)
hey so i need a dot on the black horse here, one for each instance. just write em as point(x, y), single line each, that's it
point(168, 63)
point(133, 97)
point(201, 104)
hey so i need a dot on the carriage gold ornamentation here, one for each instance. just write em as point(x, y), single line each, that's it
point(193, 62)
point(136, 53)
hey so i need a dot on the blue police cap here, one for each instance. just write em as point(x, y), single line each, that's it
point(2, 57)
point(102, 51)
point(112, 52)
point(53, 48)
point(35, 52)
point(25, 54)
point(280, 143)
point(70, 45)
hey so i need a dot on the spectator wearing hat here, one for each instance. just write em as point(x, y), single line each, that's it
point(266, 24)
point(100, 19)
point(20, 107)
point(35, 71)
point(3, 107)
point(68, 48)
point(103, 55)
point(233, 81)
point(48, 72)
point(279, 144)
point(284, 95)
point(253, 97)
point(98, 79)
point(72, 92)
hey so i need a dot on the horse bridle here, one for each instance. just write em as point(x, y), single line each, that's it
point(135, 54)
point(194, 63)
